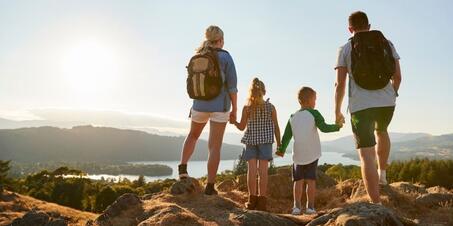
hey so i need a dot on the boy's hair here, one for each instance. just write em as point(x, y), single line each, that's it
point(358, 20)
point(304, 93)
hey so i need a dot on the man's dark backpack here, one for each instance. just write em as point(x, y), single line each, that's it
point(373, 64)
point(204, 80)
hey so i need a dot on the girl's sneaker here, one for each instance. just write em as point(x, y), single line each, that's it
point(310, 211)
point(296, 211)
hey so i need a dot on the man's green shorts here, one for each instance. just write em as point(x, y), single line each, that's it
point(365, 122)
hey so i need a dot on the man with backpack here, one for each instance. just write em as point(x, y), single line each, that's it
point(372, 64)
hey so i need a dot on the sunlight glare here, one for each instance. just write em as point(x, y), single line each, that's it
point(91, 68)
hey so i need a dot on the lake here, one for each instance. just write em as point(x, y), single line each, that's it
point(198, 168)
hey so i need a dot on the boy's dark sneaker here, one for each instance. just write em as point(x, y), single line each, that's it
point(210, 190)
point(182, 169)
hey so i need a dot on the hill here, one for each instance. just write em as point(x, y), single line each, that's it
point(432, 147)
point(435, 147)
point(346, 144)
point(338, 202)
point(97, 144)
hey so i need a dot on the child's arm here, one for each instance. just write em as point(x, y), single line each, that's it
point(321, 124)
point(244, 118)
point(287, 135)
point(276, 127)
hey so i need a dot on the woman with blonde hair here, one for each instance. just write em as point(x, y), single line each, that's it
point(217, 110)
point(260, 119)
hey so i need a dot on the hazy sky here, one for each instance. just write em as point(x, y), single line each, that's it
point(130, 56)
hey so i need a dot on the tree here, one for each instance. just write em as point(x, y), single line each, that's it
point(104, 198)
point(140, 181)
point(4, 168)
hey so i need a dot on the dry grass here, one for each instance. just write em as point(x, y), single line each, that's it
point(15, 205)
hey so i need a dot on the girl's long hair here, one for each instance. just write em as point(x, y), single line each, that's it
point(212, 35)
point(256, 93)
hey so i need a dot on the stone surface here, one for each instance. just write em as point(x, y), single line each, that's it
point(407, 187)
point(434, 199)
point(119, 212)
point(437, 189)
point(186, 186)
point(360, 214)
point(38, 218)
point(32, 218)
point(258, 218)
point(57, 222)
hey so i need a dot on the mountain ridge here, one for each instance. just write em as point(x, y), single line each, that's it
point(104, 144)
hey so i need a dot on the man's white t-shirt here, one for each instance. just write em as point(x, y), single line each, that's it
point(359, 98)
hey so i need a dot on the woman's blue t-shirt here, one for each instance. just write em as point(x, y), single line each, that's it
point(221, 103)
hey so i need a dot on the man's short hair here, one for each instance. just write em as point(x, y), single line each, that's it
point(358, 20)
point(305, 92)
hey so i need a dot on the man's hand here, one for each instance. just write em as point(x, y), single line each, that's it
point(278, 153)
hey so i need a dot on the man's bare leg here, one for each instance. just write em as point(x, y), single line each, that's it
point(382, 152)
point(369, 173)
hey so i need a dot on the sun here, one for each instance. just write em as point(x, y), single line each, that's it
point(91, 68)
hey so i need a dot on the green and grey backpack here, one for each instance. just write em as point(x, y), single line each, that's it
point(204, 79)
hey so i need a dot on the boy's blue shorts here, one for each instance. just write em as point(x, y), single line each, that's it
point(259, 152)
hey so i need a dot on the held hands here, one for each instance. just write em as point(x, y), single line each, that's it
point(339, 119)
point(233, 117)
point(278, 152)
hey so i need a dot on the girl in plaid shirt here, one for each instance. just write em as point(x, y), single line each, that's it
point(259, 118)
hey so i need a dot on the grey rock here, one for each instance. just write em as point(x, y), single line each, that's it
point(437, 189)
point(120, 211)
point(407, 187)
point(434, 199)
point(57, 222)
point(360, 214)
point(258, 218)
point(34, 218)
point(186, 186)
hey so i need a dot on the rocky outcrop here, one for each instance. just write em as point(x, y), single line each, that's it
point(183, 209)
point(119, 211)
point(438, 189)
point(365, 214)
point(434, 199)
point(258, 218)
point(185, 204)
point(38, 218)
point(187, 185)
point(407, 187)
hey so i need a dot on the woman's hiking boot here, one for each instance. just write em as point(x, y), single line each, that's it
point(182, 169)
point(261, 203)
point(210, 190)
point(251, 204)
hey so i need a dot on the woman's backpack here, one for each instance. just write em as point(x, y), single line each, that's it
point(373, 64)
point(204, 80)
